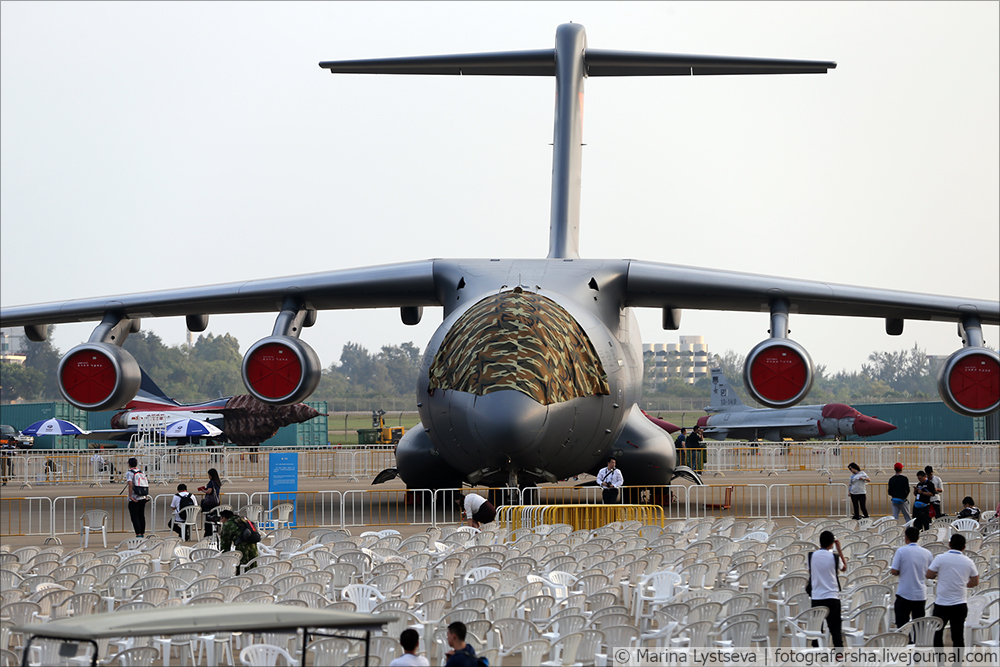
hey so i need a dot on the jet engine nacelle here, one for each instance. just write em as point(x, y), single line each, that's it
point(969, 381)
point(281, 370)
point(98, 376)
point(778, 373)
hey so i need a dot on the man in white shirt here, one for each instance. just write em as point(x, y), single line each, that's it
point(910, 564)
point(409, 640)
point(825, 590)
point(610, 479)
point(478, 510)
point(956, 573)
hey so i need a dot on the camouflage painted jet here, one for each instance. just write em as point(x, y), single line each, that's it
point(535, 374)
point(244, 420)
point(731, 419)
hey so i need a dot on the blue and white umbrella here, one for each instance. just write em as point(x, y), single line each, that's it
point(191, 428)
point(53, 427)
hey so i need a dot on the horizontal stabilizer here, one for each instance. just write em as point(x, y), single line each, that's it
point(597, 62)
point(503, 63)
point(600, 62)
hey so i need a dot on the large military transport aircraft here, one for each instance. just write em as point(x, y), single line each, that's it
point(536, 370)
point(731, 419)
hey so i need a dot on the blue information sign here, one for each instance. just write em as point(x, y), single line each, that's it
point(283, 480)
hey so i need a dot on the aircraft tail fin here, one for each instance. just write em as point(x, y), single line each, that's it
point(570, 62)
point(149, 390)
point(724, 397)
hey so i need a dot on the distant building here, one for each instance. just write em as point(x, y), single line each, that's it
point(686, 360)
point(13, 344)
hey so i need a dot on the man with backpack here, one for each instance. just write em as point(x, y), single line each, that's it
point(181, 501)
point(824, 586)
point(138, 494)
point(461, 653)
point(241, 533)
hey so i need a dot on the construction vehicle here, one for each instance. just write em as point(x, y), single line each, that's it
point(379, 433)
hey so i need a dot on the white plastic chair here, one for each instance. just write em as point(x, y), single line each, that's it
point(94, 520)
point(654, 589)
point(363, 596)
point(189, 515)
point(266, 655)
point(808, 626)
point(923, 629)
point(965, 524)
point(280, 515)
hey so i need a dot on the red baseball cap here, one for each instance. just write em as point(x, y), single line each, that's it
point(898, 466)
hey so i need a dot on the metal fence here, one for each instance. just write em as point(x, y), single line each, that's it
point(828, 458)
point(165, 465)
point(314, 509)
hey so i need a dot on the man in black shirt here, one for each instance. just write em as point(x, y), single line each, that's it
point(680, 444)
point(694, 449)
point(899, 491)
point(922, 494)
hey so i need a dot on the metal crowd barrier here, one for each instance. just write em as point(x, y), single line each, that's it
point(25, 516)
point(986, 495)
point(387, 507)
point(167, 465)
point(61, 516)
point(746, 501)
point(312, 509)
point(808, 500)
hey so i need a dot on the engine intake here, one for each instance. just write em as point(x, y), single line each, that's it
point(281, 370)
point(778, 373)
point(98, 376)
point(969, 381)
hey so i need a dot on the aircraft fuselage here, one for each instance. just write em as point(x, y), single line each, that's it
point(486, 418)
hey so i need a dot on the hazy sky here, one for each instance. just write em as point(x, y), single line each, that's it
point(155, 145)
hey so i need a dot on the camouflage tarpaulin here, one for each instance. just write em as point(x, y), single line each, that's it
point(522, 341)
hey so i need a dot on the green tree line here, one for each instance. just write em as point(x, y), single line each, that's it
point(210, 368)
point(906, 375)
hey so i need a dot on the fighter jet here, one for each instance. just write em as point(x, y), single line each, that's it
point(731, 419)
point(535, 374)
point(243, 419)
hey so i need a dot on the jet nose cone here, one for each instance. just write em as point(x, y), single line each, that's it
point(508, 421)
point(867, 427)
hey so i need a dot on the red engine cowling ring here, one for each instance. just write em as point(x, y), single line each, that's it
point(98, 376)
point(281, 370)
point(969, 381)
point(778, 373)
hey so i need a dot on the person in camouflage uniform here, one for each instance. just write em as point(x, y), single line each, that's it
point(229, 535)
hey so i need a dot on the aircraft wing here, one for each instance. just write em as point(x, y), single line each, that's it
point(386, 286)
point(784, 423)
point(109, 434)
point(654, 285)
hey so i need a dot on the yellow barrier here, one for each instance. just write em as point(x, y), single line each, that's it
point(580, 517)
